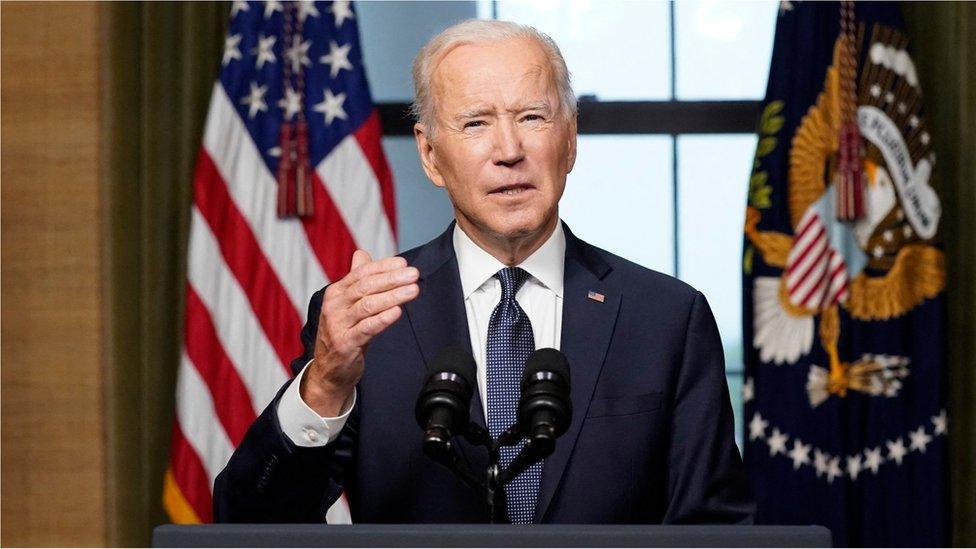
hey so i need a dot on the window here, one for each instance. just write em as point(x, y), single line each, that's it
point(692, 73)
point(722, 49)
point(594, 37)
point(637, 168)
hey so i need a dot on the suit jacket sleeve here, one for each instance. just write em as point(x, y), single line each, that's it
point(706, 479)
point(270, 479)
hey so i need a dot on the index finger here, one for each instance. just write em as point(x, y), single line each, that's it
point(359, 258)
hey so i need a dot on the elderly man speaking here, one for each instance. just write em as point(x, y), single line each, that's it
point(651, 436)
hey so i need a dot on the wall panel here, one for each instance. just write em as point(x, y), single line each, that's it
point(53, 461)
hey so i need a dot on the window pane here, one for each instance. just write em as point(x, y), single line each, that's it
point(619, 197)
point(392, 32)
point(423, 210)
point(713, 176)
point(616, 50)
point(722, 49)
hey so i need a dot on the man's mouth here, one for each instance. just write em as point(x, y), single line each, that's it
point(512, 190)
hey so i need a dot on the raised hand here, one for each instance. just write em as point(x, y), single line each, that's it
point(354, 310)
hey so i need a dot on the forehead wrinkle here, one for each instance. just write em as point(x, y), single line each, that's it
point(474, 112)
point(539, 105)
point(520, 102)
point(484, 110)
point(533, 74)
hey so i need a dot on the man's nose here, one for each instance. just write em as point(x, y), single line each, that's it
point(508, 144)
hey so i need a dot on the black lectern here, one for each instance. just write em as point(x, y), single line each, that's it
point(486, 535)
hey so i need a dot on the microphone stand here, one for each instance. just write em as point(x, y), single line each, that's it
point(440, 448)
point(495, 478)
point(491, 491)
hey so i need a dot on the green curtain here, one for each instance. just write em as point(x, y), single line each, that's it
point(945, 53)
point(159, 63)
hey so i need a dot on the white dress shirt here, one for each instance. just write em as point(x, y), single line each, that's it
point(541, 297)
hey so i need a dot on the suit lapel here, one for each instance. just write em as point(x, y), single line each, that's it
point(437, 316)
point(586, 332)
point(438, 320)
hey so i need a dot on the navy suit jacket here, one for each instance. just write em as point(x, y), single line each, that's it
point(651, 438)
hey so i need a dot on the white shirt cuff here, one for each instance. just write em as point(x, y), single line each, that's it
point(303, 425)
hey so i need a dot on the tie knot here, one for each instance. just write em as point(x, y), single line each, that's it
point(512, 279)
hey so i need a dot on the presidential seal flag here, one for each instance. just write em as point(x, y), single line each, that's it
point(290, 180)
point(843, 286)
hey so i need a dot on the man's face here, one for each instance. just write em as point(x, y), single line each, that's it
point(502, 147)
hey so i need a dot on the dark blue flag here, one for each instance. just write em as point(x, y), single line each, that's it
point(843, 289)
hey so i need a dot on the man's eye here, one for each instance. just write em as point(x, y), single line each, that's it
point(532, 117)
point(474, 124)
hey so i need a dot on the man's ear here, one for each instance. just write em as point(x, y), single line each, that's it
point(571, 147)
point(428, 158)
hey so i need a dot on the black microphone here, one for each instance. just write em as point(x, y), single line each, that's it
point(443, 407)
point(544, 411)
point(545, 408)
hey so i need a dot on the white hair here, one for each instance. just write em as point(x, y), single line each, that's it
point(479, 31)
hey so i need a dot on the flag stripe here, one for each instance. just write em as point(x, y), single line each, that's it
point(841, 293)
point(327, 233)
point(278, 317)
point(813, 264)
point(806, 223)
point(814, 296)
point(370, 138)
point(253, 190)
point(238, 330)
point(797, 262)
point(838, 284)
point(339, 512)
point(188, 499)
point(353, 187)
point(804, 288)
point(232, 402)
point(197, 421)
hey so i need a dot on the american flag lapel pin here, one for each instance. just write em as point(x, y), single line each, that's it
point(595, 296)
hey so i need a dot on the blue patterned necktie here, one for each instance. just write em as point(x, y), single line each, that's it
point(510, 342)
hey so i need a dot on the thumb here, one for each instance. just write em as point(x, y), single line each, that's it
point(359, 258)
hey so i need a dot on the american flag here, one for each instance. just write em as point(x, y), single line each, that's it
point(291, 104)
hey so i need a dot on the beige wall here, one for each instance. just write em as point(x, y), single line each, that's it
point(53, 460)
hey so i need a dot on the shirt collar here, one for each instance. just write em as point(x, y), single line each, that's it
point(477, 266)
